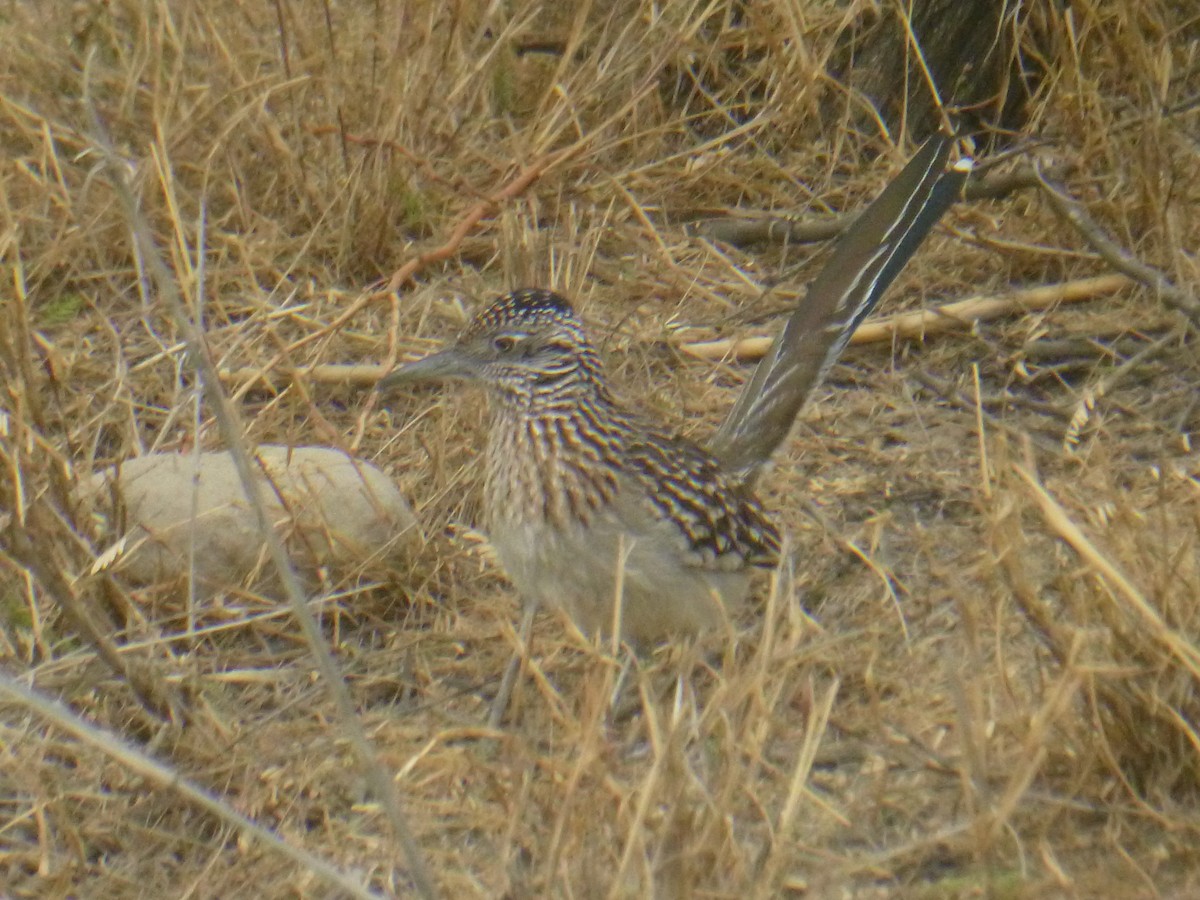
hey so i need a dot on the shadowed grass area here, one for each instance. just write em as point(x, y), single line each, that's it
point(979, 677)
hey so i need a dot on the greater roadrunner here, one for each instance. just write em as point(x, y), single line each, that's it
point(587, 503)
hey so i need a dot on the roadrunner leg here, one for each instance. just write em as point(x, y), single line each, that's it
point(513, 669)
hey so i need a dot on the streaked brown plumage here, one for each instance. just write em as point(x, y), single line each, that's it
point(585, 500)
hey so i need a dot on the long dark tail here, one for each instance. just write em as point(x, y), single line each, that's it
point(867, 258)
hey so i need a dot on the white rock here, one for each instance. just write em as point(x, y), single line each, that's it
point(335, 512)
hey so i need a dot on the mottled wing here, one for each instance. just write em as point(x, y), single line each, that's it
point(721, 523)
point(866, 260)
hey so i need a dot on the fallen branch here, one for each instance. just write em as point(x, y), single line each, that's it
point(331, 373)
point(994, 187)
point(742, 229)
point(951, 317)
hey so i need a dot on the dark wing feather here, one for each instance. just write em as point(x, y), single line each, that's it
point(866, 260)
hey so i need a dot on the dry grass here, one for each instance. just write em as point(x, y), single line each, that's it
point(989, 683)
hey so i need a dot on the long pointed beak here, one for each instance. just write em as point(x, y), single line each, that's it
point(445, 364)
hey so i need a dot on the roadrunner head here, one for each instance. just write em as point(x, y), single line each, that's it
point(528, 348)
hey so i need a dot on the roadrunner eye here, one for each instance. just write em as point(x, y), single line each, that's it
point(503, 343)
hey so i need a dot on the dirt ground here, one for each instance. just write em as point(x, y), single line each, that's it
point(978, 674)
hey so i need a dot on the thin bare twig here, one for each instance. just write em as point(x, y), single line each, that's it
point(1076, 215)
point(166, 777)
point(472, 217)
point(157, 697)
point(1057, 519)
point(423, 165)
point(466, 224)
